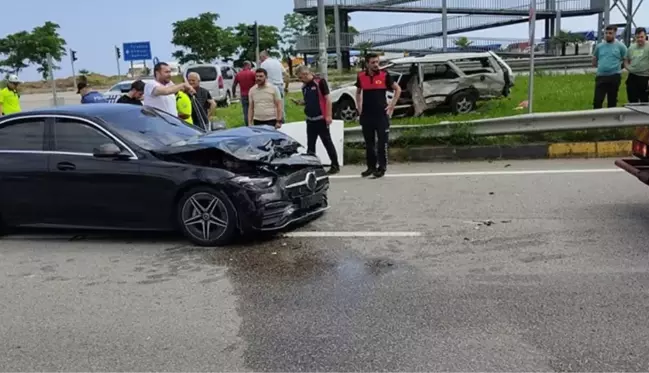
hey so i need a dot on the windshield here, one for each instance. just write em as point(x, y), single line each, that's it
point(150, 128)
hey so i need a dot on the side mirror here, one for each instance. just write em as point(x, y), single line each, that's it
point(109, 150)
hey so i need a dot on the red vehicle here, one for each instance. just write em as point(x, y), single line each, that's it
point(639, 166)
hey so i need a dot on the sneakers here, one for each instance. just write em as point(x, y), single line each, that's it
point(368, 172)
point(333, 170)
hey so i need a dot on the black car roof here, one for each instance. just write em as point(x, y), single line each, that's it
point(88, 110)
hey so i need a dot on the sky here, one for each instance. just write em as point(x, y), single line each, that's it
point(94, 28)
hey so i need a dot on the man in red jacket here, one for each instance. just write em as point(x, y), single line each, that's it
point(246, 80)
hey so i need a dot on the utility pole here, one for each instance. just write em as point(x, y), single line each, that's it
point(118, 55)
point(73, 57)
point(322, 39)
point(530, 89)
point(257, 43)
point(50, 73)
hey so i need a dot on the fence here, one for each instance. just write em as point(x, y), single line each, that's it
point(630, 116)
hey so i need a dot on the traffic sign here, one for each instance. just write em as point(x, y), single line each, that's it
point(138, 51)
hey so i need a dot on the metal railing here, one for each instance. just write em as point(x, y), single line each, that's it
point(523, 124)
point(504, 7)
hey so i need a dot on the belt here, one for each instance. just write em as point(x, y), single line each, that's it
point(319, 117)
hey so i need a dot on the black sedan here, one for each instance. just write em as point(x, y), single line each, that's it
point(107, 166)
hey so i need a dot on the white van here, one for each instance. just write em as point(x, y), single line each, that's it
point(217, 79)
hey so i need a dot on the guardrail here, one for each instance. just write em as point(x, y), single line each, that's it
point(631, 116)
point(551, 63)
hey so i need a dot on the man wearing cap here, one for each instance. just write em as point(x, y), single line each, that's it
point(89, 96)
point(9, 96)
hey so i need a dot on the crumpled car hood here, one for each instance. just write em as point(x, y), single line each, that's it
point(256, 144)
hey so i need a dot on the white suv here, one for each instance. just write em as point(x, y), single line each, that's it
point(217, 79)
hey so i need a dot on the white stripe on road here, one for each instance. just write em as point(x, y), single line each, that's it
point(352, 234)
point(490, 173)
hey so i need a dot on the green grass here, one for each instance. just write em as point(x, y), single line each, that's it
point(551, 93)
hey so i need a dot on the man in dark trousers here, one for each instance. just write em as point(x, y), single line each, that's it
point(637, 64)
point(608, 57)
point(245, 79)
point(375, 113)
point(317, 108)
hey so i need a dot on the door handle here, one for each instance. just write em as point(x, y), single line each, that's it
point(66, 166)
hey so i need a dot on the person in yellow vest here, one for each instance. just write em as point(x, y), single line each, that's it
point(184, 107)
point(9, 96)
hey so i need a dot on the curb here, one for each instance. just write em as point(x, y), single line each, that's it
point(600, 149)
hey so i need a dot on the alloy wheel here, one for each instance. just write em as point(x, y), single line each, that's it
point(348, 113)
point(204, 216)
point(464, 106)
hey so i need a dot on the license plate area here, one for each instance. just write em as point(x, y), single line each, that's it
point(308, 201)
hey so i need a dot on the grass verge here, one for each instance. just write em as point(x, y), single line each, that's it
point(551, 93)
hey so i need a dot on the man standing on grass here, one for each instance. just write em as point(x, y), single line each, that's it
point(317, 108)
point(375, 113)
point(246, 80)
point(608, 57)
point(276, 75)
point(265, 102)
point(637, 64)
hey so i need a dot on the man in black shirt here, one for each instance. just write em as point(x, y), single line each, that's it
point(317, 108)
point(134, 96)
point(375, 113)
point(203, 98)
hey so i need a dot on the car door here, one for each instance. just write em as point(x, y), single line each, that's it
point(97, 192)
point(24, 192)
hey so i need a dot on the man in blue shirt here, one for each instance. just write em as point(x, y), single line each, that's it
point(89, 96)
point(608, 57)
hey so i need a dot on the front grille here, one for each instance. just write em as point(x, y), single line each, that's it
point(296, 186)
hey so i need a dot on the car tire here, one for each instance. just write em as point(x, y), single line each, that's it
point(463, 102)
point(207, 217)
point(346, 110)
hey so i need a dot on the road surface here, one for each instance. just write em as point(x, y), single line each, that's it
point(503, 266)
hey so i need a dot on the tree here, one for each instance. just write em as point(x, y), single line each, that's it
point(84, 72)
point(26, 48)
point(269, 39)
point(201, 39)
point(463, 42)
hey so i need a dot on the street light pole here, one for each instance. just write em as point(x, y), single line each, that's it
point(322, 39)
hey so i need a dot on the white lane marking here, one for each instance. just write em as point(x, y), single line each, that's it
point(490, 173)
point(352, 234)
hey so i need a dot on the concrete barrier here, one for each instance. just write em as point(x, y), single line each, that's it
point(297, 130)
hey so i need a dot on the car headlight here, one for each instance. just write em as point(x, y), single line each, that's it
point(254, 182)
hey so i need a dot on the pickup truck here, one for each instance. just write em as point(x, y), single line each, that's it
point(639, 166)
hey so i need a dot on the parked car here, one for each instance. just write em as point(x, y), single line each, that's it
point(215, 78)
point(112, 166)
point(453, 80)
point(121, 88)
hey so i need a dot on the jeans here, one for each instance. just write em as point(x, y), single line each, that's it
point(245, 104)
point(280, 90)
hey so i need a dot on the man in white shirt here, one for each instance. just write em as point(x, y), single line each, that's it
point(276, 74)
point(161, 92)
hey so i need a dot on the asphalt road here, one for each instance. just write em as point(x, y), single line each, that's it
point(508, 266)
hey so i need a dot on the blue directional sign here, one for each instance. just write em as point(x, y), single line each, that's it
point(139, 51)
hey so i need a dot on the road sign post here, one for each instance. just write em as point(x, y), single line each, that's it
point(530, 88)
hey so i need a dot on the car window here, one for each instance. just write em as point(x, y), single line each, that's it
point(22, 134)
point(122, 87)
point(77, 136)
point(436, 71)
point(479, 65)
point(207, 73)
point(150, 128)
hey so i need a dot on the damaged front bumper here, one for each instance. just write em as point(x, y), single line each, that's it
point(293, 199)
